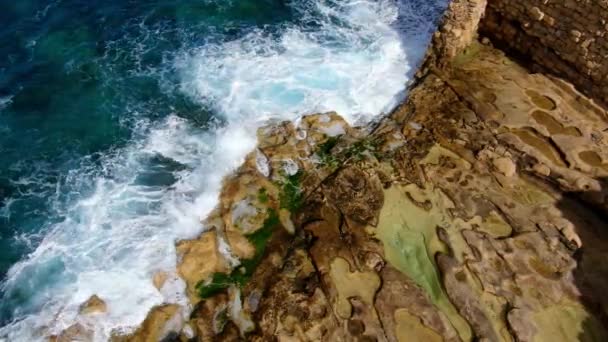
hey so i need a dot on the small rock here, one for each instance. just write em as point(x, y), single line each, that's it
point(75, 332)
point(262, 164)
point(159, 279)
point(374, 261)
point(536, 13)
point(542, 169)
point(285, 218)
point(253, 300)
point(505, 166)
point(93, 305)
point(415, 125)
point(188, 331)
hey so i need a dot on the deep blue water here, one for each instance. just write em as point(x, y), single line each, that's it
point(118, 119)
point(75, 73)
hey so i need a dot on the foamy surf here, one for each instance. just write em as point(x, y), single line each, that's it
point(355, 59)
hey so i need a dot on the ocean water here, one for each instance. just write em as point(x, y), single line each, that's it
point(118, 120)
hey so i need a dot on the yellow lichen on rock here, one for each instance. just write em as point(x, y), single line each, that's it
point(240, 246)
point(408, 229)
point(566, 322)
point(352, 284)
point(409, 328)
point(496, 226)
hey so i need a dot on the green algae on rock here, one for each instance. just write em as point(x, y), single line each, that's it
point(239, 276)
point(408, 229)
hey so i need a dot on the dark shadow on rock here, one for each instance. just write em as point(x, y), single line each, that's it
point(587, 212)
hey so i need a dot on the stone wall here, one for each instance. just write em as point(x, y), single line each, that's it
point(568, 38)
point(458, 28)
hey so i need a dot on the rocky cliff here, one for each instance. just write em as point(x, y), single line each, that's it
point(475, 211)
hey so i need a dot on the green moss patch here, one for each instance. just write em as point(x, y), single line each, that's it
point(292, 196)
point(326, 158)
point(241, 275)
point(263, 195)
point(357, 150)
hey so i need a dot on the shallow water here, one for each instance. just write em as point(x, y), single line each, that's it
point(119, 118)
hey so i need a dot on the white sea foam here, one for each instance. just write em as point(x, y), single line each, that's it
point(5, 101)
point(354, 60)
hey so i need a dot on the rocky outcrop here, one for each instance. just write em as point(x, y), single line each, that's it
point(475, 211)
point(93, 305)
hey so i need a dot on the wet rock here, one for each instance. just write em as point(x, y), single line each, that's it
point(159, 279)
point(162, 322)
point(75, 333)
point(93, 305)
point(199, 260)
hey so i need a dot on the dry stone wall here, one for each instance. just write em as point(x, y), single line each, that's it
point(456, 31)
point(568, 38)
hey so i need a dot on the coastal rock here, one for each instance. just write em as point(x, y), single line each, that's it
point(93, 305)
point(75, 333)
point(357, 194)
point(164, 323)
point(438, 237)
point(159, 279)
point(199, 260)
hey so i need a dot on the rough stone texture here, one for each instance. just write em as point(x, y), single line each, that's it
point(568, 38)
point(456, 31)
point(476, 211)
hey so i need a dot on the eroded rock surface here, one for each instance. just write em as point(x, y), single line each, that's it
point(475, 211)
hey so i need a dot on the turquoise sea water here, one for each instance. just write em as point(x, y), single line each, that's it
point(119, 118)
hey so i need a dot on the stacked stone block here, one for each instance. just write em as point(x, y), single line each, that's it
point(566, 37)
